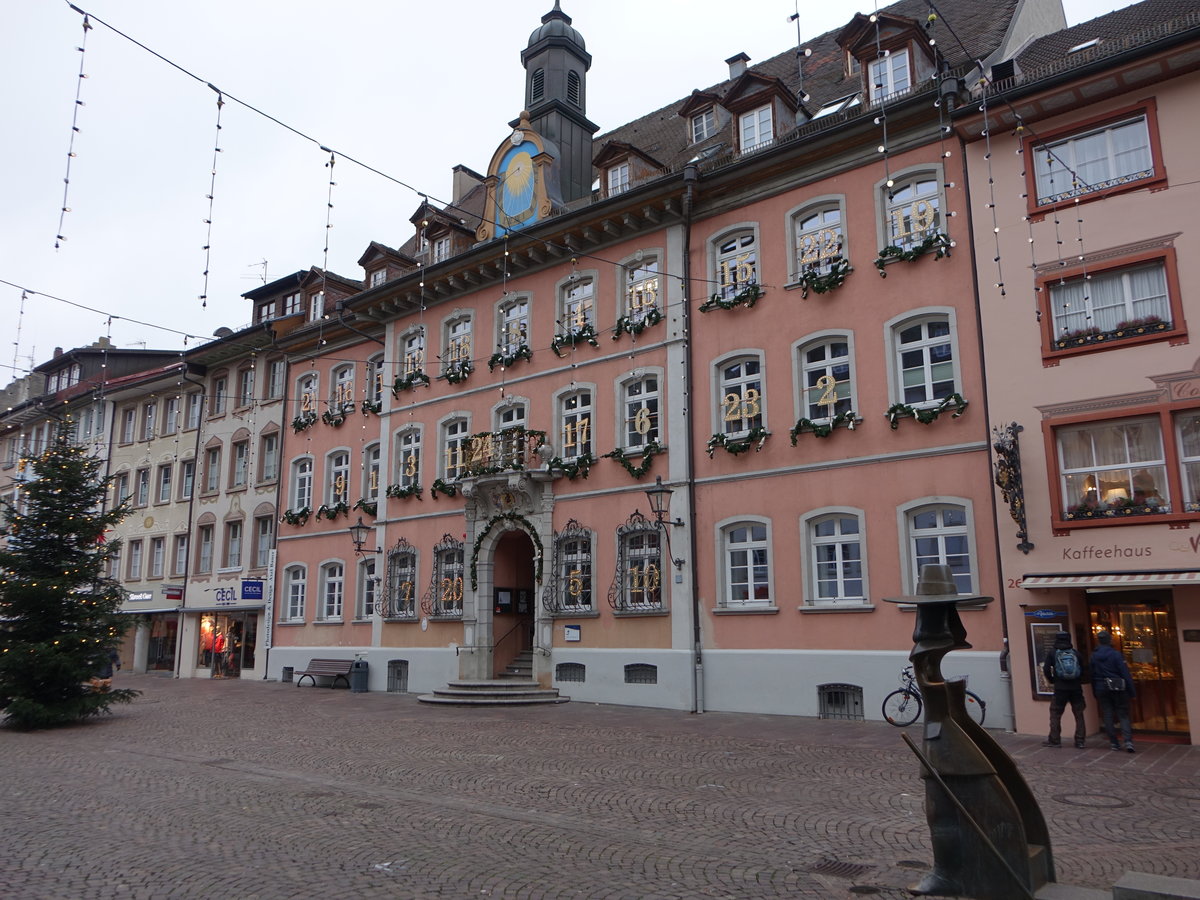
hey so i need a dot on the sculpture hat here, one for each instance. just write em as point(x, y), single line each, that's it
point(936, 585)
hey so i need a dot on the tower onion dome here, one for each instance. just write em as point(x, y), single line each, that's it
point(556, 24)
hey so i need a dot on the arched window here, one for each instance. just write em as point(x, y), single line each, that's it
point(747, 564)
point(333, 592)
point(637, 583)
point(826, 385)
point(408, 459)
point(342, 394)
point(912, 210)
point(302, 484)
point(819, 238)
point(640, 412)
point(926, 370)
point(338, 469)
point(940, 534)
point(401, 588)
point(736, 264)
point(835, 560)
point(741, 391)
point(295, 580)
point(641, 289)
point(576, 429)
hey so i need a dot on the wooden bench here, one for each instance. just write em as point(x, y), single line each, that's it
point(332, 668)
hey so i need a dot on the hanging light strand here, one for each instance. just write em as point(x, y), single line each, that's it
point(62, 213)
point(212, 190)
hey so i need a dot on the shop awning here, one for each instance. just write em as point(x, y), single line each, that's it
point(142, 612)
point(1113, 580)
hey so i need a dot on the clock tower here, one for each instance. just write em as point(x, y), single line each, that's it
point(556, 63)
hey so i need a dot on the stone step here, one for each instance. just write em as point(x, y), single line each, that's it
point(490, 701)
point(1055, 891)
point(494, 692)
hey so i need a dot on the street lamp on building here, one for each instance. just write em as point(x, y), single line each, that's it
point(358, 534)
point(660, 504)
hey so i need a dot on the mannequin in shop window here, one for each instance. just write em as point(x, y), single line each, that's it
point(218, 659)
point(1145, 492)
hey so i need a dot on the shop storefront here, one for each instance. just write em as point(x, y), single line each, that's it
point(228, 643)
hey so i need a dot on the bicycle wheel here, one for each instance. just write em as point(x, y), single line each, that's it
point(901, 707)
point(976, 708)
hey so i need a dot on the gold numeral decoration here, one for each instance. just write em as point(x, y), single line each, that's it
point(373, 481)
point(306, 401)
point(827, 385)
point(410, 466)
point(339, 485)
point(739, 407)
point(406, 592)
point(641, 421)
point(575, 583)
point(452, 591)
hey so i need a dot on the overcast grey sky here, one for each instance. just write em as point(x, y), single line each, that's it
point(410, 88)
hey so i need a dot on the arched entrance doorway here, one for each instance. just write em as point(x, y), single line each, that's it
point(513, 605)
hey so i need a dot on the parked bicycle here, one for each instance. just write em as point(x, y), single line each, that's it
point(903, 706)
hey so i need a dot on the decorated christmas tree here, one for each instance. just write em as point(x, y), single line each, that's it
point(58, 609)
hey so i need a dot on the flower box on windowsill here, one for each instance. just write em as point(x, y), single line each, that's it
point(939, 244)
point(747, 296)
point(1086, 511)
point(1123, 331)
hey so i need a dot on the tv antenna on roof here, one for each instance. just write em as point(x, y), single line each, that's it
point(261, 277)
point(801, 54)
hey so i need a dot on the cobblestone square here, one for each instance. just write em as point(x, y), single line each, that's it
point(237, 789)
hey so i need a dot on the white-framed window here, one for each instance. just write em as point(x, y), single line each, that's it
point(925, 365)
point(573, 553)
point(401, 581)
point(1113, 154)
point(618, 178)
point(276, 375)
point(826, 377)
point(939, 533)
point(376, 278)
point(736, 263)
point(641, 289)
point(212, 470)
point(746, 553)
point(302, 483)
point(233, 545)
point(220, 394)
point(316, 306)
point(441, 249)
point(114, 563)
point(268, 454)
point(333, 591)
point(454, 448)
point(204, 552)
point(835, 563)
point(704, 125)
point(755, 128)
point(180, 559)
point(368, 587)
point(149, 411)
point(408, 460)
point(158, 553)
point(142, 487)
point(292, 304)
point(240, 475)
point(343, 387)
point(245, 394)
point(638, 586)
point(338, 487)
point(373, 389)
point(135, 560)
point(170, 422)
point(740, 386)
point(577, 303)
point(128, 425)
point(458, 342)
point(1111, 299)
point(576, 429)
point(295, 580)
point(640, 417)
point(1112, 465)
point(447, 584)
point(187, 478)
point(306, 393)
point(372, 460)
point(819, 238)
point(264, 540)
point(1187, 433)
point(513, 322)
point(412, 352)
point(912, 210)
point(195, 406)
point(164, 482)
point(509, 415)
point(266, 312)
point(890, 74)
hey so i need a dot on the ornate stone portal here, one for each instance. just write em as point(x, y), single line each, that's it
point(989, 837)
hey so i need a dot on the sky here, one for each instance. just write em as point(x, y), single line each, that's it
point(409, 88)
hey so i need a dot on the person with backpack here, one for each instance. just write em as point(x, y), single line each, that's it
point(1112, 685)
point(1063, 669)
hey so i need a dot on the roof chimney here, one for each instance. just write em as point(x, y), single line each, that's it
point(57, 352)
point(464, 181)
point(737, 65)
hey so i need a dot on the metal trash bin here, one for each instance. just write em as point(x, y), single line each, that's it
point(358, 677)
point(285, 677)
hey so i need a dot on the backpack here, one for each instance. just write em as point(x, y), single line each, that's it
point(1066, 665)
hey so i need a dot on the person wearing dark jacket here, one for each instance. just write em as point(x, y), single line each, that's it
point(1066, 691)
point(1112, 685)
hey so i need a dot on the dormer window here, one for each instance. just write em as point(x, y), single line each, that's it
point(441, 249)
point(618, 178)
point(756, 128)
point(266, 312)
point(704, 125)
point(890, 74)
point(378, 277)
point(316, 306)
point(291, 304)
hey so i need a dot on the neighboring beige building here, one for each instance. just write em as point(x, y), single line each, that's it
point(1093, 382)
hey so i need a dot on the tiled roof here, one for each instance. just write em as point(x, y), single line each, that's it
point(1122, 29)
point(980, 25)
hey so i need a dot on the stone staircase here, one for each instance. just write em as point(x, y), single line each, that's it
point(512, 687)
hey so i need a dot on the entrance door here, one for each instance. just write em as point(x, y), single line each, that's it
point(164, 630)
point(227, 643)
point(1142, 625)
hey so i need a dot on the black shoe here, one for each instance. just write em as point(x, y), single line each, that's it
point(1080, 745)
point(1051, 744)
point(1129, 748)
point(1114, 746)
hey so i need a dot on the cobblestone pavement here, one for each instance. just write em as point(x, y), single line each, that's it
point(229, 789)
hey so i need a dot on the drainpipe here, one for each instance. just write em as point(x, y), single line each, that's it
point(187, 569)
point(987, 424)
point(691, 174)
